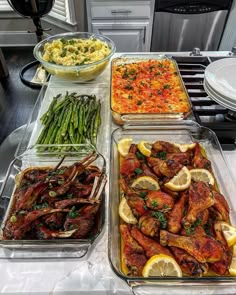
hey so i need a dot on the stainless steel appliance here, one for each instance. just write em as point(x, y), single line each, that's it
point(181, 25)
point(206, 111)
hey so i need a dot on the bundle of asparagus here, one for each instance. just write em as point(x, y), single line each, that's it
point(72, 119)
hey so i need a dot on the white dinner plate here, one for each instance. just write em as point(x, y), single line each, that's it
point(218, 99)
point(221, 76)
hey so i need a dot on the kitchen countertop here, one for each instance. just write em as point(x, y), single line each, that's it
point(91, 274)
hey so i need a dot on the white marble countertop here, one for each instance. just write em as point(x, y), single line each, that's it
point(91, 274)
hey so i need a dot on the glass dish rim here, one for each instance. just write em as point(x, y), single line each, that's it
point(62, 242)
point(37, 47)
point(139, 280)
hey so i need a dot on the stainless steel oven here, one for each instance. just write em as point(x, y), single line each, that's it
point(181, 25)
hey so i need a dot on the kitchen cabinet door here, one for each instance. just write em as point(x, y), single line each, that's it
point(129, 37)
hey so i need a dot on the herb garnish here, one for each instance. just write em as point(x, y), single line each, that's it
point(161, 218)
point(138, 171)
point(161, 155)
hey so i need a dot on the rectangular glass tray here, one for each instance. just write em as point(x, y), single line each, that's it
point(34, 126)
point(121, 118)
point(54, 248)
point(183, 132)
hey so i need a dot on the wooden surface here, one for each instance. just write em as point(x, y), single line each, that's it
point(16, 99)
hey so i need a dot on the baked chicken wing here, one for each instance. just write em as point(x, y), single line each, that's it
point(203, 248)
point(133, 254)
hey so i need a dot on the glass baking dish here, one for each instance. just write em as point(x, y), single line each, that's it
point(182, 132)
point(56, 247)
point(136, 90)
point(54, 88)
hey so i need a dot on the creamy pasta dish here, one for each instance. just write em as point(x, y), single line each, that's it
point(75, 52)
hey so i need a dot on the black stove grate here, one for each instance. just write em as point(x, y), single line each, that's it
point(207, 112)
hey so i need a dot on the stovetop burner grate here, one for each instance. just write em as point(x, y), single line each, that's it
point(207, 112)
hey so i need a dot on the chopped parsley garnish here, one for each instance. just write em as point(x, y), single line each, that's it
point(71, 42)
point(139, 156)
point(73, 213)
point(40, 206)
point(157, 74)
point(132, 72)
point(64, 51)
point(138, 171)
point(128, 87)
point(154, 203)
point(64, 41)
point(161, 218)
point(139, 102)
point(166, 86)
point(161, 155)
point(145, 207)
point(191, 230)
point(142, 194)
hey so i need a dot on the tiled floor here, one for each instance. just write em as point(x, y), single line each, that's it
point(16, 99)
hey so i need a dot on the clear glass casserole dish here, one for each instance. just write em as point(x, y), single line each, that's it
point(42, 237)
point(147, 87)
point(185, 132)
point(34, 125)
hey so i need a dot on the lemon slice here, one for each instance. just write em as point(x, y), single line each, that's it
point(180, 181)
point(146, 182)
point(202, 175)
point(124, 145)
point(145, 148)
point(185, 147)
point(229, 232)
point(161, 265)
point(126, 213)
point(232, 268)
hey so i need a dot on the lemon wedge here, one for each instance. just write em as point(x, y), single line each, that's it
point(229, 232)
point(180, 181)
point(146, 182)
point(124, 145)
point(161, 265)
point(202, 175)
point(126, 213)
point(145, 148)
point(185, 147)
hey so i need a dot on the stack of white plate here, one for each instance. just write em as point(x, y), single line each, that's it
point(220, 82)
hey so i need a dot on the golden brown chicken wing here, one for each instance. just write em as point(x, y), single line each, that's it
point(149, 225)
point(168, 168)
point(204, 248)
point(160, 146)
point(128, 165)
point(133, 254)
point(200, 198)
point(176, 214)
point(181, 158)
point(158, 200)
point(188, 263)
point(221, 267)
point(221, 206)
point(150, 246)
point(199, 161)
